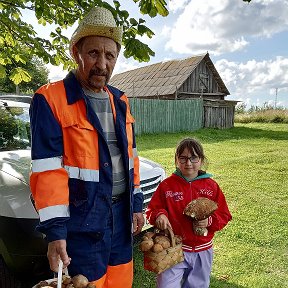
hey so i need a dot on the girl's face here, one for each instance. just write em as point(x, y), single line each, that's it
point(189, 164)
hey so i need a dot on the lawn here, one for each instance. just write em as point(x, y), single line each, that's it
point(250, 163)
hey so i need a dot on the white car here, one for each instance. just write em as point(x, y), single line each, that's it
point(22, 249)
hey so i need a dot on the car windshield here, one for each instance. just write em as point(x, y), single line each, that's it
point(14, 126)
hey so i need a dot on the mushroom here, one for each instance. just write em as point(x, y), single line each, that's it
point(80, 281)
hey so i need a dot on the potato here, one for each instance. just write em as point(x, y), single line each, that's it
point(146, 245)
point(53, 284)
point(157, 248)
point(145, 238)
point(163, 241)
point(42, 284)
point(66, 279)
point(149, 235)
point(160, 239)
point(80, 281)
point(165, 244)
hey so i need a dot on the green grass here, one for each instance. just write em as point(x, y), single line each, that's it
point(250, 163)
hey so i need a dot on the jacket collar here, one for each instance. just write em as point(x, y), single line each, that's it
point(201, 175)
point(74, 91)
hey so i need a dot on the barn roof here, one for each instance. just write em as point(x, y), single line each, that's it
point(163, 78)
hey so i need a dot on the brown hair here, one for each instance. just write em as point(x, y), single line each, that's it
point(193, 146)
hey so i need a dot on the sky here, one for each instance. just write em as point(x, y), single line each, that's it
point(247, 42)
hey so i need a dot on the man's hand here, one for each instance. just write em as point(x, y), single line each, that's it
point(56, 251)
point(138, 222)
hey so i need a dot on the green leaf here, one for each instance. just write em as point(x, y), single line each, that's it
point(116, 4)
point(42, 21)
point(145, 30)
point(20, 58)
point(137, 49)
point(2, 71)
point(9, 39)
point(133, 21)
point(19, 75)
point(161, 7)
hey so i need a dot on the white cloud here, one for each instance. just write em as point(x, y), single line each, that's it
point(221, 26)
point(246, 79)
point(175, 5)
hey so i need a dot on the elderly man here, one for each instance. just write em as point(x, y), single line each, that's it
point(85, 169)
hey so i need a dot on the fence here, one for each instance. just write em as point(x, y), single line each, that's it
point(158, 116)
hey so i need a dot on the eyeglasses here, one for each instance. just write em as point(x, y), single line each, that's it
point(192, 159)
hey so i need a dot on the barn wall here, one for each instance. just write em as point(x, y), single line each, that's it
point(207, 84)
point(218, 115)
point(158, 116)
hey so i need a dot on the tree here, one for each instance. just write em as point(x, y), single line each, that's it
point(38, 76)
point(17, 34)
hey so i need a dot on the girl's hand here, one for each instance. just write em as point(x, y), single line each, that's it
point(162, 222)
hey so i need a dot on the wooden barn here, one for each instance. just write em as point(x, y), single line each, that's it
point(191, 78)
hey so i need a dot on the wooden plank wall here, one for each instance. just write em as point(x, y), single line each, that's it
point(192, 82)
point(158, 116)
point(221, 117)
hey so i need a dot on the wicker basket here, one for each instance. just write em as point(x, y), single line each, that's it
point(159, 262)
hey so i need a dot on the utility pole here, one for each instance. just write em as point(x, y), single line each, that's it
point(276, 94)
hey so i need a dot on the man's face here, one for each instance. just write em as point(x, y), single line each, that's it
point(96, 58)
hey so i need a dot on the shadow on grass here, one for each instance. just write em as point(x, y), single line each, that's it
point(223, 283)
point(207, 135)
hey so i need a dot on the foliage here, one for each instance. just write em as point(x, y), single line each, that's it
point(250, 163)
point(37, 75)
point(17, 34)
point(14, 132)
point(267, 115)
point(240, 107)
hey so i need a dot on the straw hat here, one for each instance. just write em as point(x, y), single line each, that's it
point(98, 22)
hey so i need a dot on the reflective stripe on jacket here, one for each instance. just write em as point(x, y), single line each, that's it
point(71, 179)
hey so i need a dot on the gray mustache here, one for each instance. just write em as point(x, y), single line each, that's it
point(98, 73)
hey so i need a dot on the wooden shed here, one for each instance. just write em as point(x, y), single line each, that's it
point(190, 78)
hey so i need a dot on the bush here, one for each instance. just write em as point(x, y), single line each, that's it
point(264, 116)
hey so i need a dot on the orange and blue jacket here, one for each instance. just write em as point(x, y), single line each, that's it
point(71, 178)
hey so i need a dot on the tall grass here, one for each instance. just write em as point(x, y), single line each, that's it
point(263, 115)
point(250, 162)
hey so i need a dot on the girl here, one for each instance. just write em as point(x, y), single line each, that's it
point(166, 207)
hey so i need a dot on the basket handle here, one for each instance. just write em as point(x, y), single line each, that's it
point(171, 234)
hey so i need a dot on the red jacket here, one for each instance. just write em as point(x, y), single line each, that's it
point(172, 196)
